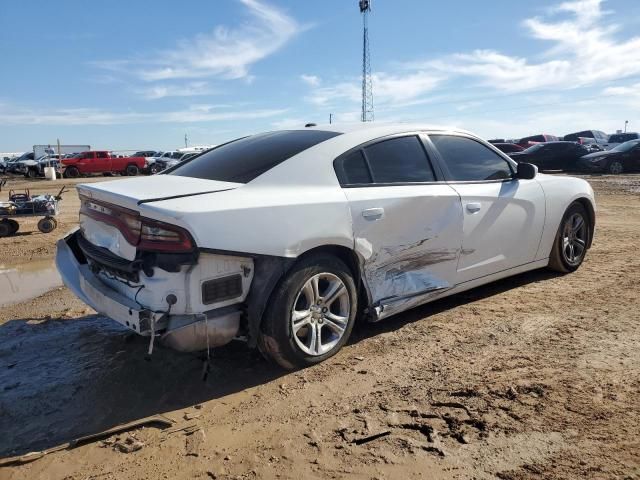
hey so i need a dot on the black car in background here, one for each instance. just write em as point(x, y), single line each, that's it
point(552, 155)
point(508, 147)
point(623, 158)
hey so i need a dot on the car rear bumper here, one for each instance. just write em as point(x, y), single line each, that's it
point(187, 332)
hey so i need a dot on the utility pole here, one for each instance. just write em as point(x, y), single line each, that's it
point(626, 123)
point(367, 83)
point(330, 118)
point(186, 141)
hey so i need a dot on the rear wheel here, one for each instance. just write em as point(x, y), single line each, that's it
point(15, 226)
point(72, 172)
point(311, 313)
point(570, 245)
point(132, 170)
point(31, 173)
point(615, 167)
point(5, 228)
point(47, 225)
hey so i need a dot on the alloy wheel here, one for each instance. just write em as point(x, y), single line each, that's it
point(574, 239)
point(320, 314)
point(616, 168)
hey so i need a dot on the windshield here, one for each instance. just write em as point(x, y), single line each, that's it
point(626, 146)
point(247, 158)
point(534, 148)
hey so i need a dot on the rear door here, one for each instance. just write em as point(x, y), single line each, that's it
point(407, 222)
point(503, 216)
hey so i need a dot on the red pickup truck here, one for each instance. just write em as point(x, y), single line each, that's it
point(100, 161)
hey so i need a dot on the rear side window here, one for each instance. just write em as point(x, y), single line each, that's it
point(468, 160)
point(355, 169)
point(399, 160)
point(245, 159)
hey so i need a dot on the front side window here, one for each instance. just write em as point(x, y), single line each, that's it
point(468, 160)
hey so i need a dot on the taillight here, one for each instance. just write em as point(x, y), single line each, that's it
point(162, 237)
point(141, 232)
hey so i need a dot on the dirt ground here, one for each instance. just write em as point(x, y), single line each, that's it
point(532, 377)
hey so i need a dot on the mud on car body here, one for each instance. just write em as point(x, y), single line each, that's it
point(285, 237)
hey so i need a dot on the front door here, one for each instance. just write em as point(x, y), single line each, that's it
point(503, 216)
point(407, 227)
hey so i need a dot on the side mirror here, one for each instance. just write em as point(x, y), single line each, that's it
point(526, 171)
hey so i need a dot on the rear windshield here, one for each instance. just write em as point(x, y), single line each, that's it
point(244, 159)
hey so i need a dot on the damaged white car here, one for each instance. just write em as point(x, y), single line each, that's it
point(282, 238)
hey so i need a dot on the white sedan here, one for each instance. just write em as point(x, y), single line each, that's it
point(284, 237)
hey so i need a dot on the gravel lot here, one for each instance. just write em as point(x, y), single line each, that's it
point(536, 376)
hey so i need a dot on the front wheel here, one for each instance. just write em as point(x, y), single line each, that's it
point(132, 170)
point(311, 313)
point(570, 245)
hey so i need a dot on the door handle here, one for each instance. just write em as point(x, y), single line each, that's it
point(373, 213)
point(473, 207)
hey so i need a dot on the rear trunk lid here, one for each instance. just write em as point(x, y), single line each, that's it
point(133, 194)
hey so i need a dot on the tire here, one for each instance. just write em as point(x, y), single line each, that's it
point(572, 239)
point(153, 169)
point(294, 293)
point(72, 172)
point(132, 170)
point(31, 174)
point(5, 228)
point(47, 225)
point(615, 167)
point(15, 226)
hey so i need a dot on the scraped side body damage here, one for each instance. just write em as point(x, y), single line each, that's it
point(411, 251)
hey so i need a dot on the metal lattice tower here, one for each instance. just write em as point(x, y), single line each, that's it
point(367, 83)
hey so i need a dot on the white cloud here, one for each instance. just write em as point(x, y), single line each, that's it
point(584, 51)
point(224, 53)
point(90, 116)
point(311, 80)
point(191, 89)
point(387, 89)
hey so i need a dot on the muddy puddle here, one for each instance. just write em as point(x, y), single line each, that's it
point(25, 281)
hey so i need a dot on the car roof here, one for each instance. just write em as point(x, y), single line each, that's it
point(380, 128)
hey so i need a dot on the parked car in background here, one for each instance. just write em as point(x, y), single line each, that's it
point(150, 157)
point(623, 158)
point(101, 161)
point(508, 147)
point(618, 138)
point(526, 142)
point(15, 165)
point(552, 155)
point(285, 237)
point(36, 169)
point(171, 159)
point(598, 137)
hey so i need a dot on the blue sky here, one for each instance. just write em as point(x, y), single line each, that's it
point(128, 75)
